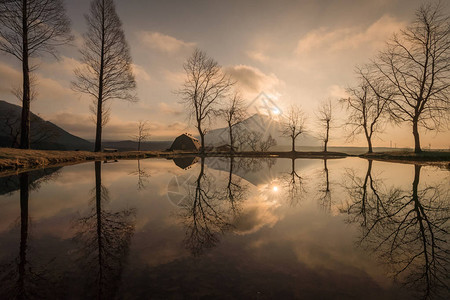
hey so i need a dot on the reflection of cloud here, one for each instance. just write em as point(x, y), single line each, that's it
point(326, 40)
point(253, 80)
point(256, 213)
point(164, 43)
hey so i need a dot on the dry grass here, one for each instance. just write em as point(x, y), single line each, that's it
point(19, 159)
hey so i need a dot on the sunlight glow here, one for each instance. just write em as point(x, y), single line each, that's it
point(275, 189)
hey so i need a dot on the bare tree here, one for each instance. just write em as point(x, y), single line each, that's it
point(325, 118)
point(233, 113)
point(205, 85)
point(416, 64)
point(106, 73)
point(266, 144)
point(366, 106)
point(293, 124)
point(30, 28)
point(143, 133)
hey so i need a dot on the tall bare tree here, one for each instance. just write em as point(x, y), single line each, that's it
point(30, 28)
point(293, 124)
point(416, 64)
point(106, 73)
point(205, 85)
point(234, 112)
point(325, 118)
point(143, 133)
point(366, 106)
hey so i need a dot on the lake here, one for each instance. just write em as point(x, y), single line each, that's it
point(226, 228)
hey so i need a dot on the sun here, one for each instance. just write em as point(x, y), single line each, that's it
point(276, 111)
point(275, 189)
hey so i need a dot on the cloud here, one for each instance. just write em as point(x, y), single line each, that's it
point(340, 39)
point(173, 109)
point(140, 73)
point(164, 43)
point(258, 56)
point(253, 80)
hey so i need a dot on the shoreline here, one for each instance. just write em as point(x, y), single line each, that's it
point(14, 161)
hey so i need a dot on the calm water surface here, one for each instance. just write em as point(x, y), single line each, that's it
point(242, 228)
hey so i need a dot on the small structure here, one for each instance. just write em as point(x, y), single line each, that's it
point(108, 150)
point(185, 142)
point(223, 148)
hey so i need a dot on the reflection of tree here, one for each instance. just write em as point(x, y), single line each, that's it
point(408, 230)
point(236, 190)
point(142, 176)
point(9, 184)
point(20, 279)
point(203, 213)
point(105, 238)
point(293, 184)
point(255, 164)
point(324, 190)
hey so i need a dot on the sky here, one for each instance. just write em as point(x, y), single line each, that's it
point(300, 52)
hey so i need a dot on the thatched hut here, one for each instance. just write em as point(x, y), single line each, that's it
point(185, 142)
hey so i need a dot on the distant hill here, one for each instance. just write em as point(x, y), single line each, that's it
point(44, 134)
point(263, 125)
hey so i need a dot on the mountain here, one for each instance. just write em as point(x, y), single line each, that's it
point(44, 134)
point(262, 125)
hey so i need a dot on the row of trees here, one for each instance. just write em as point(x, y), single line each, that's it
point(209, 92)
point(33, 28)
point(408, 82)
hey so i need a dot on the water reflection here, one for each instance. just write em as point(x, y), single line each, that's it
point(203, 213)
point(142, 176)
point(24, 278)
point(104, 237)
point(293, 185)
point(324, 190)
point(407, 229)
point(229, 234)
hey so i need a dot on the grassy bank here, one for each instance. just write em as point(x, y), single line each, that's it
point(18, 159)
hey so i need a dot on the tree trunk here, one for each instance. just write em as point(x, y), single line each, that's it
point(25, 121)
point(139, 144)
point(231, 138)
point(293, 144)
point(326, 138)
point(417, 148)
point(369, 140)
point(202, 137)
point(98, 134)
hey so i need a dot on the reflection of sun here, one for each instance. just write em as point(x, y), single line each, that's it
point(275, 189)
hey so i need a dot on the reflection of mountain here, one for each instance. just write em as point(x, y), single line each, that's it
point(9, 184)
point(263, 125)
point(257, 170)
point(56, 139)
